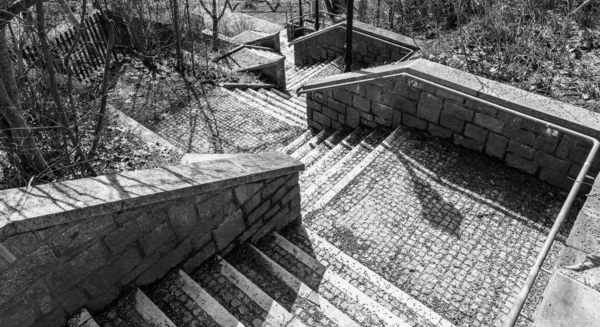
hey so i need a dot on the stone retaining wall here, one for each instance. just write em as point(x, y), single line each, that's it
point(370, 45)
point(79, 243)
point(531, 147)
point(271, 41)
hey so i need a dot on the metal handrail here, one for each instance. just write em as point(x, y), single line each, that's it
point(535, 269)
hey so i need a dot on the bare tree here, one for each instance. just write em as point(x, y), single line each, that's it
point(15, 133)
point(216, 17)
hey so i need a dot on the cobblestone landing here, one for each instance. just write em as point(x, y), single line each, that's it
point(453, 229)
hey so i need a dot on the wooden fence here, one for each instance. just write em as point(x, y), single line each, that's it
point(89, 53)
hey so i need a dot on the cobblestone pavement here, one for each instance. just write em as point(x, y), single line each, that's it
point(229, 126)
point(461, 234)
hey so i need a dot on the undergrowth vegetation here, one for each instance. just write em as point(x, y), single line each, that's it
point(549, 47)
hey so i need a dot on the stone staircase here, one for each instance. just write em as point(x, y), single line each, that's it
point(291, 278)
point(298, 76)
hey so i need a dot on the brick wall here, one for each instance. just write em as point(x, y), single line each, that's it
point(79, 243)
point(530, 147)
point(370, 45)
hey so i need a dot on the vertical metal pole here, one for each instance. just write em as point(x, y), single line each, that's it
point(349, 19)
point(300, 12)
point(316, 15)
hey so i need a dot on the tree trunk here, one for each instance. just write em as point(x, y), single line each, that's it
point(66, 9)
point(18, 133)
point(349, 20)
point(178, 53)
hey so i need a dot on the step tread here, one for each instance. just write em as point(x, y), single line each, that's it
point(244, 99)
point(320, 185)
point(324, 306)
point(332, 257)
point(208, 304)
point(298, 100)
point(324, 147)
point(331, 286)
point(312, 143)
point(268, 108)
point(277, 315)
point(293, 105)
point(277, 102)
point(333, 156)
point(298, 142)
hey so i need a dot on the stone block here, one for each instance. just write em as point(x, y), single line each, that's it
point(518, 135)
point(258, 212)
point(382, 111)
point(253, 203)
point(245, 192)
point(447, 95)
point(110, 274)
point(468, 143)
point(290, 195)
point(481, 108)
point(314, 105)
point(454, 110)
point(72, 299)
point(344, 97)
point(477, 133)
point(556, 178)
point(520, 163)
point(521, 149)
point(18, 313)
point(321, 119)
point(496, 145)
point(328, 112)
point(452, 123)
point(272, 186)
point(78, 268)
point(183, 218)
point(336, 105)
point(430, 107)
point(367, 116)
point(352, 117)
point(21, 244)
point(57, 317)
point(140, 269)
point(232, 227)
point(151, 242)
point(439, 131)
point(414, 122)
point(579, 152)
point(82, 232)
point(357, 88)
point(551, 162)
point(382, 122)
point(168, 261)
point(396, 118)
point(373, 92)
point(25, 272)
point(123, 236)
point(400, 103)
point(405, 91)
point(489, 122)
point(199, 257)
point(545, 143)
point(361, 103)
point(565, 145)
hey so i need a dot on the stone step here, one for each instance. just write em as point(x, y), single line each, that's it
point(333, 156)
point(296, 72)
point(330, 68)
point(320, 150)
point(286, 289)
point(272, 110)
point(279, 103)
point(312, 143)
point(300, 101)
point(135, 310)
point(81, 318)
point(186, 303)
point(380, 290)
point(304, 74)
point(329, 285)
point(240, 297)
point(355, 171)
point(250, 104)
point(287, 100)
point(298, 142)
point(319, 186)
point(205, 302)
